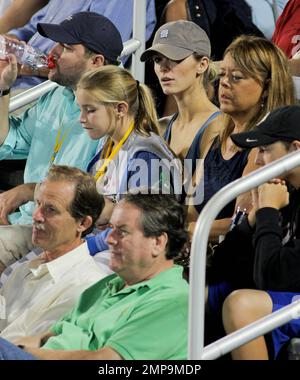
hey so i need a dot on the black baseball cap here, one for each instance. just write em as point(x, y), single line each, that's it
point(282, 124)
point(94, 31)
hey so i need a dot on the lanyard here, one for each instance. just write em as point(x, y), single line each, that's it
point(110, 155)
point(59, 140)
point(58, 143)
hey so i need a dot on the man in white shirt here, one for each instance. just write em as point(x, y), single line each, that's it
point(138, 313)
point(40, 291)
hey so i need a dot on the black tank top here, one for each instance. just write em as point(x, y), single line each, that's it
point(194, 150)
point(218, 172)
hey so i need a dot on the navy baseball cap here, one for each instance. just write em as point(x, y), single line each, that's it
point(94, 31)
point(282, 124)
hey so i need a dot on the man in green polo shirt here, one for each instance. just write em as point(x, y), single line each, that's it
point(138, 313)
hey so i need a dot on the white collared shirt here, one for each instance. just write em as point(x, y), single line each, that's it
point(37, 294)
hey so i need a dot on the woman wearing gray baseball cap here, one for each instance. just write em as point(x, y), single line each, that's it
point(180, 52)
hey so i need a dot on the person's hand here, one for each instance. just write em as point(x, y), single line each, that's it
point(244, 201)
point(103, 221)
point(10, 200)
point(254, 208)
point(274, 194)
point(184, 256)
point(29, 341)
point(8, 72)
point(102, 225)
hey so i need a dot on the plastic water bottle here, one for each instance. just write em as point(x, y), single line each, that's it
point(25, 54)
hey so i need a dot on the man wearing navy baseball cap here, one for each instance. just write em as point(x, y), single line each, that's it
point(50, 131)
point(96, 32)
point(87, 32)
point(266, 245)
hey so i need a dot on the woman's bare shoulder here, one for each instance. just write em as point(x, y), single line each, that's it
point(211, 132)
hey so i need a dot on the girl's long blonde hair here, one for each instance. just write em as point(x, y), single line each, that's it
point(110, 85)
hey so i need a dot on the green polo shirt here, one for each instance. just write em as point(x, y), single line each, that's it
point(147, 320)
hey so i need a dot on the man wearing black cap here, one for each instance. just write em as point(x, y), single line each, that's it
point(94, 33)
point(50, 131)
point(273, 223)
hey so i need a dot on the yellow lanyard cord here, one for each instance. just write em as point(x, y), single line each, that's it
point(60, 140)
point(110, 156)
point(58, 143)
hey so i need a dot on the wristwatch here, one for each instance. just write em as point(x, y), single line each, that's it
point(4, 92)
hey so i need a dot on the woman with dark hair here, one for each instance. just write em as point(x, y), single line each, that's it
point(254, 80)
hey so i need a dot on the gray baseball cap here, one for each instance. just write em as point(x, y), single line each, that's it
point(177, 40)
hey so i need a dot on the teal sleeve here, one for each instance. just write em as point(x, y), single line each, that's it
point(21, 131)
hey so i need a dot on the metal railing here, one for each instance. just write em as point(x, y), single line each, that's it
point(252, 331)
point(139, 34)
point(200, 239)
point(30, 95)
point(134, 46)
